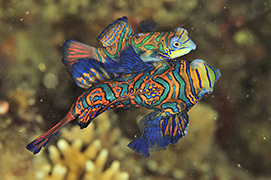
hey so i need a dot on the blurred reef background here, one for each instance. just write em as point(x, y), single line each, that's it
point(230, 131)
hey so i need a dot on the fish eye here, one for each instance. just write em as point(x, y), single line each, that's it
point(176, 44)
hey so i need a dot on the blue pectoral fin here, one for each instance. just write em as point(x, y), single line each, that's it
point(157, 132)
point(140, 146)
point(150, 139)
point(128, 62)
point(119, 29)
point(174, 127)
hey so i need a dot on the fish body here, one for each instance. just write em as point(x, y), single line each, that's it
point(170, 88)
point(150, 46)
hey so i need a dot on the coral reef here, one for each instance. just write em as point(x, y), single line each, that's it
point(194, 157)
point(82, 154)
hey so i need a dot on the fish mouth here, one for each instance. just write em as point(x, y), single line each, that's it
point(181, 52)
point(218, 73)
point(190, 48)
point(193, 47)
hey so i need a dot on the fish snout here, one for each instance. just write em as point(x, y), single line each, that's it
point(193, 45)
point(217, 72)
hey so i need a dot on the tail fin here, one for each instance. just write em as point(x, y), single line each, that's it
point(36, 145)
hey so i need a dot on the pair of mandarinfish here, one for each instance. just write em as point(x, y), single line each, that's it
point(132, 76)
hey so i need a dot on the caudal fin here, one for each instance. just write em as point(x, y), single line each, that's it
point(36, 145)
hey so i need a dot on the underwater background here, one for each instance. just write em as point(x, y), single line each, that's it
point(229, 136)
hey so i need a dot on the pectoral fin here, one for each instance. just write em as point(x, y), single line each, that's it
point(128, 62)
point(174, 127)
point(158, 131)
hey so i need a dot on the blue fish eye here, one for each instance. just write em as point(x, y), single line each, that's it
point(175, 43)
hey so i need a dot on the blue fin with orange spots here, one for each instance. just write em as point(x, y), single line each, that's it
point(87, 72)
point(115, 32)
point(128, 62)
point(157, 132)
point(36, 145)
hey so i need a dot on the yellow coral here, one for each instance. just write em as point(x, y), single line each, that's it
point(82, 157)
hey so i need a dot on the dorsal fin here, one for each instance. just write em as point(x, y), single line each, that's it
point(148, 26)
point(117, 31)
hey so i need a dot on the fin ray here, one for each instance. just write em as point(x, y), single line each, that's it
point(150, 138)
point(74, 50)
point(36, 145)
point(174, 127)
point(87, 72)
point(118, 30)
point(158, 131)
point(128, 62)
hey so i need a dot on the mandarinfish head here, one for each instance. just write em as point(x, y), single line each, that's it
point(204, 77)
point(178, 45)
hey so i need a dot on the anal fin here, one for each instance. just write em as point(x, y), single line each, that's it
point(87, 72)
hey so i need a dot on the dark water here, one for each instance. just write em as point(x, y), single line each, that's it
point(230, 130)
